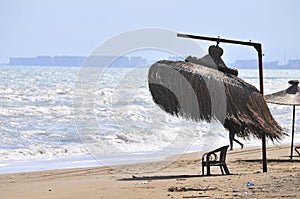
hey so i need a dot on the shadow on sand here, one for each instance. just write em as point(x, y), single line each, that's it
point(166, 177)
point(271, 160)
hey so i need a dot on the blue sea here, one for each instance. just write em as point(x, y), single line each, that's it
point(42, 128)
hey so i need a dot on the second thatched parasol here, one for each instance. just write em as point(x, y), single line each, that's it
point(290, 96)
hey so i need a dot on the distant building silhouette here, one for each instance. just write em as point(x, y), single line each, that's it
point(253, 63)
point(47, 61)
point(26, 61)
point(68, 60)
point(294, 63)
point(113, 61)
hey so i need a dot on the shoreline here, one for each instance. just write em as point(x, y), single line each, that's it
point(180, 178)
point(88, 160)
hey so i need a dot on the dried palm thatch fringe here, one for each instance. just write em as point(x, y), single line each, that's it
point(200, 93)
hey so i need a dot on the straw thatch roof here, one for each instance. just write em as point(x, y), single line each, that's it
point(290, 96)
point(197, 92)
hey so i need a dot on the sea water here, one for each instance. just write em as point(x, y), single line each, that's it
point(41, 127)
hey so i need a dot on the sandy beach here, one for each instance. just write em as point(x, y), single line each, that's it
point(179, 179)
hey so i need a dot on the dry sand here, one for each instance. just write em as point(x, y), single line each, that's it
point(180, 179)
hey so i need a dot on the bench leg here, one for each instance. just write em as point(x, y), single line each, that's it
point(221, 169)
point(208, 170)
point(226, 169)
point(297, 150)
point(202, 169)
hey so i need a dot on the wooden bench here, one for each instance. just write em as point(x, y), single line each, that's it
point(211, 159)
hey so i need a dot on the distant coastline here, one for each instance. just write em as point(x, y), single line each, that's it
point(113, 61)
point(125, 61)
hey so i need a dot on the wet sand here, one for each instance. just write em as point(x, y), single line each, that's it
point(180, 178)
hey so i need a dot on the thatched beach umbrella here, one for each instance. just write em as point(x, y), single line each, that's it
point(198, 92)
point(290, 96)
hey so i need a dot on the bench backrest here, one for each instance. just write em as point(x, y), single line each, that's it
point(223, 152)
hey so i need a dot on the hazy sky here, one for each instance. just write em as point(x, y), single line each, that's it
point(58, 27)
